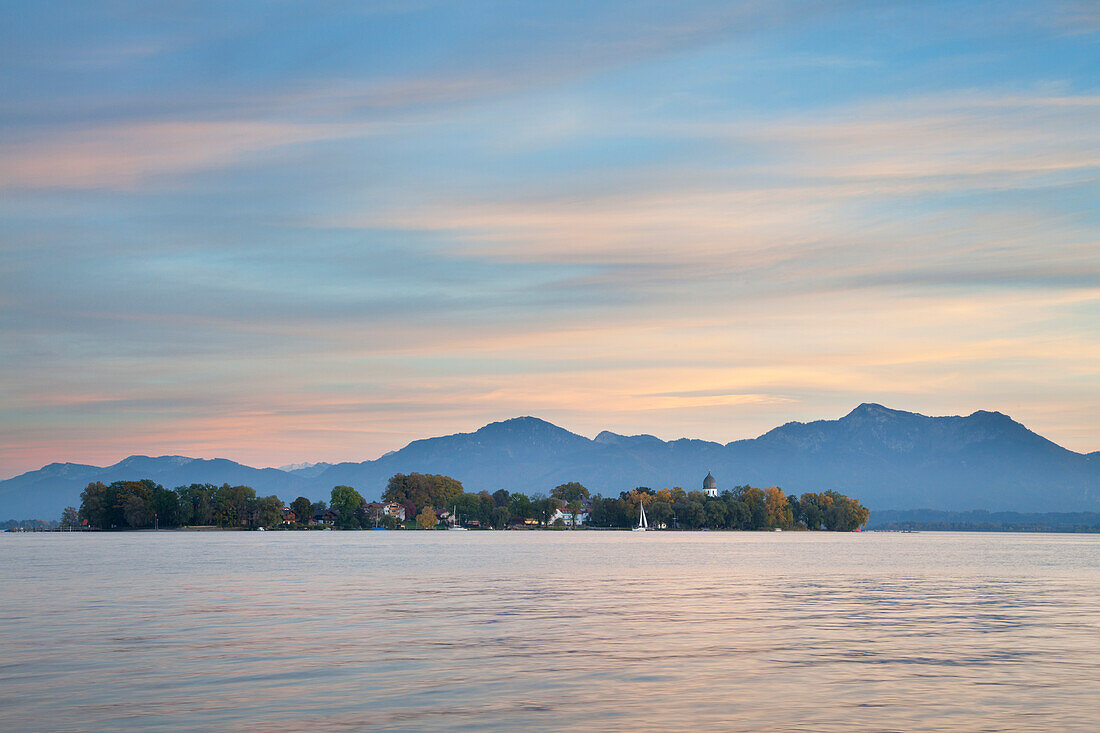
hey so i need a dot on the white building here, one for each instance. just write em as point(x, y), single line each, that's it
point(568, 518)
point(395, 510)
point(710, 485)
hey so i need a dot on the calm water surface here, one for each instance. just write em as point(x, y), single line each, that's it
point(549, 631)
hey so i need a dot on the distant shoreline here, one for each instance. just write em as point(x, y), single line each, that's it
point(979, 520)
point(916, 529)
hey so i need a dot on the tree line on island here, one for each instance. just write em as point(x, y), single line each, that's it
point(427, 501)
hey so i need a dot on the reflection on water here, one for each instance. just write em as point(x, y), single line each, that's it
point(553, 631)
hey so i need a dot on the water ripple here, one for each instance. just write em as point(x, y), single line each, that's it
point(580, 631)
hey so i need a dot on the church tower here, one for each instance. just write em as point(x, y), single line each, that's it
point(710, 486)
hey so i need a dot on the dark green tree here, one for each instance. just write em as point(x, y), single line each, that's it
point(521, 507)
point(166, 507)
point(716, 513)
point(811, 510)
point(499, 517)
point(796, 508)
point(135, 501)
point(659, 512)
point(70, 517)
point(569, 492)
point(136, 510)
point(346, 502)
point(97, 505)
point(844, 514)
point(196, 503)
point(267, 511)
point(233, 505)
point(302, 509)
point(690, 514)
point(611, 512)
point(545, 507)
point(737, 513)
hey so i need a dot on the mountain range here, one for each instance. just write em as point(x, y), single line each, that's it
point(889, 459)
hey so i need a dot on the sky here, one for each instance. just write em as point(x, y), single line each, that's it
point(279, 232)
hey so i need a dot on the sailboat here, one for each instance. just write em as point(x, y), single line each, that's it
point(454, 518)
point(643, 524)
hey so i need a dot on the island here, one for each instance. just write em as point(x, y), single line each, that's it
point(432, 501)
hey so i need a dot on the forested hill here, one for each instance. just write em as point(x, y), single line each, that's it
point(888, 459)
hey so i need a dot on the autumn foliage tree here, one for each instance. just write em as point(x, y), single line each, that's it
point(422, 489)
point(427, 518)
point(777, 508)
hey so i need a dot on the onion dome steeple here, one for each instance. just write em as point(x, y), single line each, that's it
point(710, 485)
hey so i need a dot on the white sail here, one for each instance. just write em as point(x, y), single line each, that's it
point(644, 521)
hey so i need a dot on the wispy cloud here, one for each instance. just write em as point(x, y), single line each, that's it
point(128, 155)
point(320, 233)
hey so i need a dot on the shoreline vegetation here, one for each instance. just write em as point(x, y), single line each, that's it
point(431, 501)
point(428, 501)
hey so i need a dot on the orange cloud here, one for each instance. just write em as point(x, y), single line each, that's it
point(122, 156)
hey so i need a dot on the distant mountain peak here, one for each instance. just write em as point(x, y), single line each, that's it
point(877, 411)
point(524, 424)
point(59, 466)
point(176, 460)
point(610, 438)
point(607, 437)
point(522, 420)
point(991, 416)
point(305, 470)
point(63, 469)
point(300, 466)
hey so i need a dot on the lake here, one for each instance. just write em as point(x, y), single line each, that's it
point(584, 631)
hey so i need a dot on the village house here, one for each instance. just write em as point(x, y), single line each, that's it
point(568, 518)
point(395, 510)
